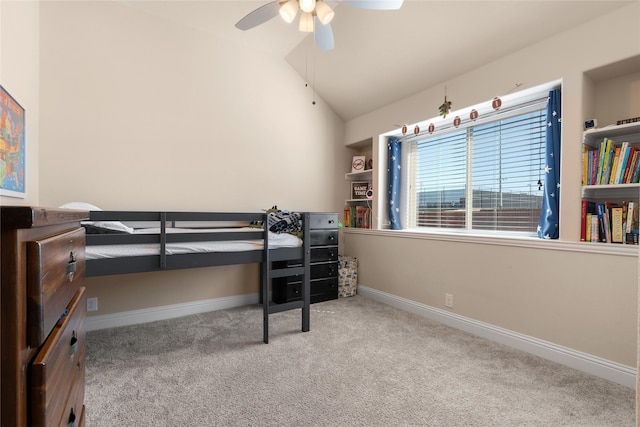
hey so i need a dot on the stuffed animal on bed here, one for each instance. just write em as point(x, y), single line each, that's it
point(279, 221)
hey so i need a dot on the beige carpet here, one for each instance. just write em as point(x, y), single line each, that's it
point(362, 364)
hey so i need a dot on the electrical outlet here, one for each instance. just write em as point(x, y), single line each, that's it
point(92, 304)
point(448, 300)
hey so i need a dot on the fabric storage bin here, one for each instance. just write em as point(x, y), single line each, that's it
point(347, 276)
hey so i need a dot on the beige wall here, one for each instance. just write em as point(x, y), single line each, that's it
point(155, 115)
point(19, 75)
point(618, 98)
point(584, 301)
point(553, 291)
point(143, 114)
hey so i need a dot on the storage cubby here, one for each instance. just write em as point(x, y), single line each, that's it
point(610, 184)
point(611, 153)
point(360, 191)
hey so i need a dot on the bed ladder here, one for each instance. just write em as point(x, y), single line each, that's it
point(268, 272)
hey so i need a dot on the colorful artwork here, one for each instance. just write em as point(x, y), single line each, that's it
point(12, 147)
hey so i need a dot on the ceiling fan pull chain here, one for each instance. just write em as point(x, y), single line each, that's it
point(306, 69)
point(313, 79)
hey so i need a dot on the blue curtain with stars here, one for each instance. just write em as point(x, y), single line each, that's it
point(393, 179)
point(549, 224)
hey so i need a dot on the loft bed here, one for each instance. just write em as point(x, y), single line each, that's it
point(122, 242)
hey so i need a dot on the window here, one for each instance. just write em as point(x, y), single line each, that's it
point(483, 176)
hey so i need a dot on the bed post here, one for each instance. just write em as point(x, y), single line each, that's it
point(264, 279)
point(295, 270)
point(306, 280)
point(163, 240)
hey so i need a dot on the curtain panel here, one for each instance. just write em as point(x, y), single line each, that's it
point(393, 178)
point(548, 226)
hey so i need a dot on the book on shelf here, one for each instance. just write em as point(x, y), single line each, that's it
point(622, 163)
point(588, 209)
point(613, 173)
point(605, 228)
point(347, 216)
point(631, 226)
point(636, 170)
point(611, 163)
point(598, 165)
point(616, 225)
point(609, 222)
point(594, 166)
point(357, 216)
point(631, 158)
point(594, 235)
point(607, 162)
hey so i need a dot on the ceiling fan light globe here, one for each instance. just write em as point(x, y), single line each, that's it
point(307, 5)
point(288, 11)
point(324, 13)
point(306, 23)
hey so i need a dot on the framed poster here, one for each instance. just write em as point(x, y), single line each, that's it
point(12, 147)
point(359, 190)
point(357, 164)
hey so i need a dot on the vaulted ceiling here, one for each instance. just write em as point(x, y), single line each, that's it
point(384, 56)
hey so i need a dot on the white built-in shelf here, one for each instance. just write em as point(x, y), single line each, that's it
point(611, 190)
point(365, 175)
point(629, 131)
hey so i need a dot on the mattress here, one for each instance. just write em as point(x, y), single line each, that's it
point(276, 240)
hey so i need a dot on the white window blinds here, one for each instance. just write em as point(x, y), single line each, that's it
point(484, 176)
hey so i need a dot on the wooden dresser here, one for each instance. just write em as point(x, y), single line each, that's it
point(42, 316)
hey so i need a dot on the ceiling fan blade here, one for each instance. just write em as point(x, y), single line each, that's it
point(375, 4)
point(259, 16)
point(323, 35)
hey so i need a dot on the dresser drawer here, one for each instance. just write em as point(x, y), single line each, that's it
point(328, 287)
point(82, 418)
point(73, 414)
point(324, 254)
point(323, 220)
point(286, 290)
point(324, 237)
point(320, 290)
point(57, 372)
point(318, 254)
point(325, 269)
point(55, 271)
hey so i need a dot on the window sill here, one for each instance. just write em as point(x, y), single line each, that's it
point(524, 242)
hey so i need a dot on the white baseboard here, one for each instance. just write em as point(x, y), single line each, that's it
point(597, 366)
point(134, 317)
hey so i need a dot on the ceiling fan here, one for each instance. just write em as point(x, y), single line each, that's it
point(315, 15)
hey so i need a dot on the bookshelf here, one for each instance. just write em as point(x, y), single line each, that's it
point(357, 209)
point(360, 196)
point(611, 184)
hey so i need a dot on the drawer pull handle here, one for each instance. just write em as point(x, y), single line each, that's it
point(331, 237)
point(72, 267)
point(331, 221)
point(72, 419)
point(73, 346)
